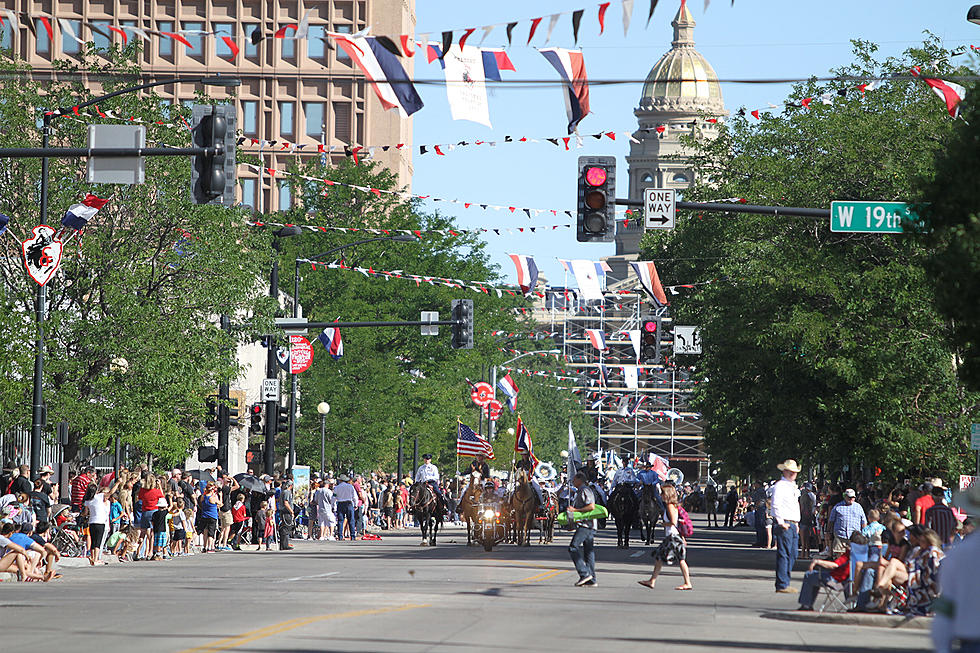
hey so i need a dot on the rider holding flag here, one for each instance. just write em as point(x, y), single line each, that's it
point(528, 461)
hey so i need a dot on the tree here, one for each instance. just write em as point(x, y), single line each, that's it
point(144, 281)
point(821, 346)
point(391, 377)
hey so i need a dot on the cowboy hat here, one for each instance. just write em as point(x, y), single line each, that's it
point(789, 465)
point(344, 477)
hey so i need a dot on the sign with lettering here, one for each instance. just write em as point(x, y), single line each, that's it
point(659, 206)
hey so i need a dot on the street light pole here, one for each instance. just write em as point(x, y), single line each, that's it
point(41, 299)
point(323, 408)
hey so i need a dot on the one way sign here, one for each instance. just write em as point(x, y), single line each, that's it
point(658, 208)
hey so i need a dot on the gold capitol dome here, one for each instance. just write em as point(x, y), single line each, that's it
point(682, 80)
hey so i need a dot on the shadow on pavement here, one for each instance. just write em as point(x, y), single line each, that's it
point(725, 644)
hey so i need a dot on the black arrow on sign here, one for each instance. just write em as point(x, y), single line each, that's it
point(662, 219)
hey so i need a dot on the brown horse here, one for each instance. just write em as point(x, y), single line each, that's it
point(427, 508)
point(547, 524)
point(524, 503)
point(467, 504)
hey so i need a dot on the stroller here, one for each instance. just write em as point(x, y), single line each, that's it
point(64, 531)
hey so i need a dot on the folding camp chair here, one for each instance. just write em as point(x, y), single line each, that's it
point(836, 596)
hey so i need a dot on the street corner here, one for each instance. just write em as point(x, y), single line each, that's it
point(852, 619)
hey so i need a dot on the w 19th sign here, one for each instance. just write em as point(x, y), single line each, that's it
point(300, 354)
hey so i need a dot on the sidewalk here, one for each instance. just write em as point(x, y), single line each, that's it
point(853, 619)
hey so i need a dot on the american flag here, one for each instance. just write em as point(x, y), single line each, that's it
point(469, 443)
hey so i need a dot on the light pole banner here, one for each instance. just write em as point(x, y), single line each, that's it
point(42, 253)
point(300, 354)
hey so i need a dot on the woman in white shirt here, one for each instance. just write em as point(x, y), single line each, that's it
point(96, 505)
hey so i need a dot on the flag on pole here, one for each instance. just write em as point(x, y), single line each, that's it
point(522, 443)
point(587, 278)
point(570, 64)
point(469, 443)
point(597, 337)
point(509, 388)
point(387, 77)
point(660, 465)
point(332, 342)
point(78, 215)
point(574, 457)
point(646, 271)
point(527, 272)
point(671, 414)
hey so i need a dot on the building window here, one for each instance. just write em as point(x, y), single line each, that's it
point(341, 121)
point(6, 37)
point(166, 43)
point(69, 45)
point(681, 178)
point(221, 48)
point(250, 117)
point(341, 54)
point(286, 110)
point(102, 41)
point(288, 47)
point(248, 193)
point(316, 47)
point(251, 49)
point(313, 112)
point(43, 45)
point(196, 40)
point(285, 197)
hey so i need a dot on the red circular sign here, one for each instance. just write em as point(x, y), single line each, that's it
point(482, 393)
point(495, 408)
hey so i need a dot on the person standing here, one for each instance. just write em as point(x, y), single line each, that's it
point(731, 505)
point(808, 519)
point(957, 607)
point(346, 497)
point(845, 518)
point(286, 514)
point(322, 498)
point(673, 547)
point(711, 502)
point(940, 517)
point(786, 523)
point(582, 547)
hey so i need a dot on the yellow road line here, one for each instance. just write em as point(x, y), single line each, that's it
point(274, 629)
point(544, 575)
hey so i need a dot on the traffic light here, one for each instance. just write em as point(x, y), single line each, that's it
point(596, 199)
point(253, 456)
point(213, 176)
point(234, 415)
point(462, 316)
point(212, 423)
point(282, 419)
point(207, 454)
point(255, 417)
point(650, 329)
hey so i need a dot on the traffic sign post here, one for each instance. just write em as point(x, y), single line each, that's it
point(871, 217)
point(659, 208)
point(270, 390)
point(687, 340)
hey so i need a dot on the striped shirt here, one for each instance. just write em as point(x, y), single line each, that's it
point(942, 520)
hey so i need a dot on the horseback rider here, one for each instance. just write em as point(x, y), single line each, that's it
point(591, 470)
point(647, 476)
point(627, 476)
point(429, 473)
point(480, 465)
point(525, 463)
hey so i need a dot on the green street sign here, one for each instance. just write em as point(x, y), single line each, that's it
point(870, 217)
point(975, 436)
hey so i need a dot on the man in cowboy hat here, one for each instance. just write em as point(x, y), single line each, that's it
point(959, 576)
point(786, 523)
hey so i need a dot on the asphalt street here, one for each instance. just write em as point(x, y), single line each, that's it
point(393, 595)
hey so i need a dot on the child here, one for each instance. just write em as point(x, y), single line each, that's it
point(178, 542)
point(119, 543)
point(115, 513)
point(238, 520)
point(159, 525)
point(262, 522)
point(873, 532)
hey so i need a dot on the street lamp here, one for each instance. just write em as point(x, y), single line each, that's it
point(41, 298)
point(973, 15)
point(293, 231)
point(323, 408)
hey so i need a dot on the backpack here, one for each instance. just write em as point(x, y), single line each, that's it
point(684, 524)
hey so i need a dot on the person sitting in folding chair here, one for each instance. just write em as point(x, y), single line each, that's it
point(833, 575)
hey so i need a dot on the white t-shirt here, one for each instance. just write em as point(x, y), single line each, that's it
point(98, 509)
point(178, 520)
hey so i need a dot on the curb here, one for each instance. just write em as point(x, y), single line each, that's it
point(853, 619)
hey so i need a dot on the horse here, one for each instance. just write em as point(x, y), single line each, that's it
point(467, 504)
point(524, 503)
point(547, 524)
point(624, 507)
point(649, 511)
point(427, 508)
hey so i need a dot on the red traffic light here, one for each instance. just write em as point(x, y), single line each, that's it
point(256, 409)
point(650, 327)
point(595, 176)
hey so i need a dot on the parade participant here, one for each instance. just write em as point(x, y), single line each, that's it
point(591, 470)
point(525, 463)
point(786, 523)
point(581, 548)
point(647, 475)
point(624, 475)
point(673, 547)
point(429, 473)
point(958, 606)
point(479, 464)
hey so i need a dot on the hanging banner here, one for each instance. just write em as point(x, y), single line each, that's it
point(482, 393)
point(42, 253)
point(465, 87)
point(300, 354)
point(495, 408)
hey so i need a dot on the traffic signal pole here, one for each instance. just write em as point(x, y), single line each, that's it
point(224, 416)
point(272, 372)
point(724, 207)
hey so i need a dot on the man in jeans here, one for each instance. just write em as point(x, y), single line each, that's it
point(786, 524)
point(346, 497)
point(285, 506)
point(581, 548)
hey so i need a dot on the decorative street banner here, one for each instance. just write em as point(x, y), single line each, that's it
point(300, 354)
point(495, 408)
point(482, 393)
point(42, 253)
point(465, 87)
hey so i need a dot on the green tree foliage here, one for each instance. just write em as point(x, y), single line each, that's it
point(820, 346)
point(144, 281)
point(393, 378)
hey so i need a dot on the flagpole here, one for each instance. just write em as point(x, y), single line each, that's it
point(673, 395)
point(636, 393)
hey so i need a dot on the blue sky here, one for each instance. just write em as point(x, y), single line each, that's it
point(749, 40)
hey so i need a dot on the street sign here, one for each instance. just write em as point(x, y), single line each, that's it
point(116, 169)
point(975, 436)
point(482, 393)
point(659, 208)
point(293, 325)
point(430, 329)
point(495, 408)
point(687, 340)
point(870, 217)
point(966, 482)
point(300, 354)
point(270, 390)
